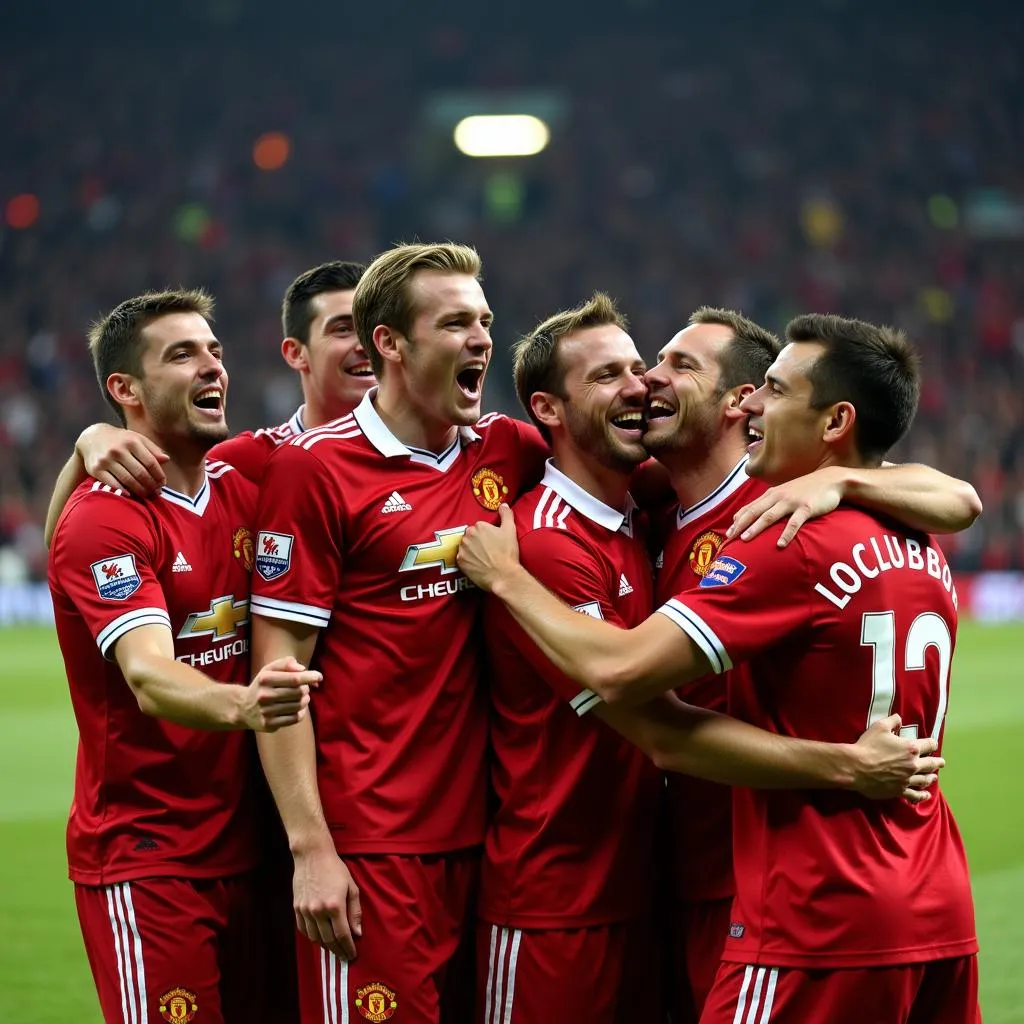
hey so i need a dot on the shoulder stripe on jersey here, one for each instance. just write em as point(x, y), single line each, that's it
point(486, 421)
point(221, 470)
point(334, 988)
point(342, 423)
point(106, 488)
point(554, 515)
point(700, 633)
point(292, 611)
point(337, 432)
point(584, 701)
point(113, 631)
point(131, 969)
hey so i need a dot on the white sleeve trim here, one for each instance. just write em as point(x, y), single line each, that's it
point(113, 631)
point(700, 633)
point(584, 701)
point(292, 611)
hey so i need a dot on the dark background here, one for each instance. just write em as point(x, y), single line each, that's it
point(864, 159)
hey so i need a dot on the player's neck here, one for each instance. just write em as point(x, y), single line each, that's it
point(695, 474)
point(607, 485)
point(410, 426)
point(186, 474)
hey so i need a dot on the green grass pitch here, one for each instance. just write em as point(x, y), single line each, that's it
point(44, 977)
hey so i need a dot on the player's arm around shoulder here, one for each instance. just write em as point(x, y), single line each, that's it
point(630, 665)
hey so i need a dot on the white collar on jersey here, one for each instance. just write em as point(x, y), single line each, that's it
point(389, 446)
point(736, 479)
point(197, 504)
point(586, 504)
point(295, 423)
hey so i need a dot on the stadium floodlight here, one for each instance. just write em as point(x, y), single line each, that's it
point(501, 135)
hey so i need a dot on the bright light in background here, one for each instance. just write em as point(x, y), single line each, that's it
point(271, 151)
point(501, 135)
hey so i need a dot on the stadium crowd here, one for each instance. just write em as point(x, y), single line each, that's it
point(796, 178)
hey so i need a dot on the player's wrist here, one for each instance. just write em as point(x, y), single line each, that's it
point(508, 580)
point(852, 767)
point(311, 843)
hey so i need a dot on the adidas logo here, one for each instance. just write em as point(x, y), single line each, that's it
point(624, 587)
point(180, 564)
point(395, 503)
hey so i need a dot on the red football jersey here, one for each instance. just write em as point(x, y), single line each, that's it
point(571, 843)
point(248, 452)
point(152, 797)
point(357, 535)
point(700, 813)
point(853, 620)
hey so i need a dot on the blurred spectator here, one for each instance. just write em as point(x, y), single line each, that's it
point(820, 164)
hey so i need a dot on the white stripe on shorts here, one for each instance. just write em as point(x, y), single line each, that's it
point(131, 971)
point(334, 987)
point(501, 975)
point(764, 979)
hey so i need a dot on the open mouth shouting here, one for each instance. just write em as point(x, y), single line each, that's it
point(210, 401)
point(470, 380)
point(360, 368)
point(658, 409)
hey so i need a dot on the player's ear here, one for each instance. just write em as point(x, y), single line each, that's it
point(124, 389)
point(732, 400)
point(386, 339)
point(546, 407)
point(296, 355)
point(839, 424)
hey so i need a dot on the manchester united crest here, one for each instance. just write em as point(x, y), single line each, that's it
point(241, 542)
point(704, 551)
point(376, 1002)
point(489, 489)
point(178, 1005)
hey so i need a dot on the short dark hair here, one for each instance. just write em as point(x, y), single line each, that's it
point(746, 358)
point(297, 307)
point(383, 294)
point(875, 369)
point(115, 340)
point(535, 362)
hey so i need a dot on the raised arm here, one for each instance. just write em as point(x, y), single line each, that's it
point(116, 457)
point(681, 738)
point(169, 689)
point(326, 899)
point(919, 496)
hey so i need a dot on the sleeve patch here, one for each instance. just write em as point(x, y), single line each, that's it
point(273, 554)
point(116, 578)
point(591, 608)
point(724, 570)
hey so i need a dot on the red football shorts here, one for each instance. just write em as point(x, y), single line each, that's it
point(938, 992)
point(698, 932)
point(414, 960)
point(602, 975)
point(170, 949)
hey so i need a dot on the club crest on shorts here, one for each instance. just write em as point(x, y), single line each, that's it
point(116, 578)
point(703, 552)
point(178, 1005)
point(273, 554)
point(489, 488)
point(723, 571)
point(242, 545)
point(376, 1002)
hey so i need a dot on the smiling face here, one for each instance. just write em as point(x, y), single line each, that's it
point(685, 401)
point(183, 386)
point(443, 359)
point(788, 431)
point(603, 383)
point(335, 369)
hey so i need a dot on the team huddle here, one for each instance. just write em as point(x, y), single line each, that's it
point(527, 750)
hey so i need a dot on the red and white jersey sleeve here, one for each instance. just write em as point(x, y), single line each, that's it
point(299, 544)
point(852, 620)
point(249, 451)
point(106, 567)
point(571, 841)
